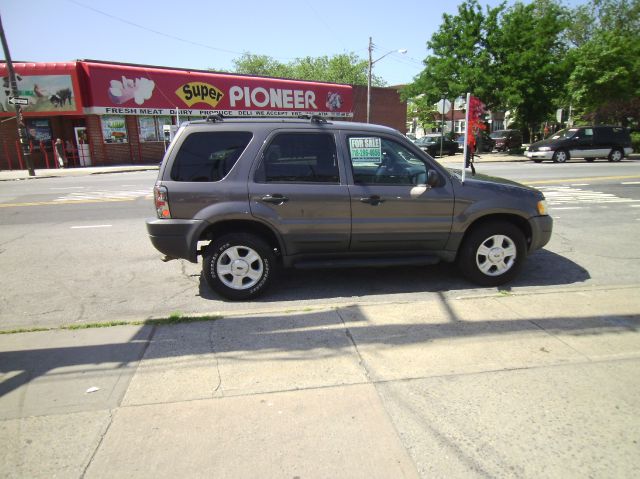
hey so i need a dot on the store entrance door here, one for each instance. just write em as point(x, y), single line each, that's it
point(82, 140)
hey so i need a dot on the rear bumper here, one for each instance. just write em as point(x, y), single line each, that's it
point(175, 238)
point(541, 228)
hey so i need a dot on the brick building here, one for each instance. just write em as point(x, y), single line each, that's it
point(113, 113)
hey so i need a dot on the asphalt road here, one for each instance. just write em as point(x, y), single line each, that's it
point(75, 250)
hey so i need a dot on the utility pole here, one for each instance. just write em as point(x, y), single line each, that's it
point(369, 79)
point(371, 62)
point(22, 131)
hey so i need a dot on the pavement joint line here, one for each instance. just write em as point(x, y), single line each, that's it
point(560, 364)
point(215, 355)
point(112, 412)
point(361, 360)
point(375, 382)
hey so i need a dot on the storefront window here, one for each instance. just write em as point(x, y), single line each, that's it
point(148, 129)
point(151, 127)
point(114, 129)
point(39, 130)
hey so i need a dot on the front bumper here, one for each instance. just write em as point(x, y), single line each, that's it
point(176, 238)
point(541, 228)
point(539, 155)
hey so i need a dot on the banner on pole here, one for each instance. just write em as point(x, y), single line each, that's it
point(474, 124)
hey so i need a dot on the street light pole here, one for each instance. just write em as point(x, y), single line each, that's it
point(371, 62)
point(369, 81)
point(22, 131)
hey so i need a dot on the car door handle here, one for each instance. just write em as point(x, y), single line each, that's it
point(275, 199)
point(374, 200)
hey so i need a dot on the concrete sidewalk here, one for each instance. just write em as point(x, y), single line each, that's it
point(10, 175)
point(508, 385)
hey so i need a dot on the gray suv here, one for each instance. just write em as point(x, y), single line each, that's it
point(253, 195)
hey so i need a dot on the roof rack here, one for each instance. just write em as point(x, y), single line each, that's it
point(215, 118)
point(313, 118)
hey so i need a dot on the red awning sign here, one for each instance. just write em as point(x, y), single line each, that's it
point(129, 90)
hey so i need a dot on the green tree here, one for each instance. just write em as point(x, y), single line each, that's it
point(423, 111)
point(620, 16)
point(263, 65)
point(461, 60)
point(605, 82)
point(530, 59)
point(343, 68)
point(604, 85)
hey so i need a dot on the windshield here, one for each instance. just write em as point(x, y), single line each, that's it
point(498, 134)
point(564, 134)
point(427, 139)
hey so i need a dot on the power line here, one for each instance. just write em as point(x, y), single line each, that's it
point(163, 34)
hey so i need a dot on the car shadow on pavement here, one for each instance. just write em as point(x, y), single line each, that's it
point(543, 268)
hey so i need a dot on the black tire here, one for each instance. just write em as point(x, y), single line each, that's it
point(561, 156)
point(616, 155)
point(239, 266)
point(537, 161)
point(590, 160)
point(492, 253)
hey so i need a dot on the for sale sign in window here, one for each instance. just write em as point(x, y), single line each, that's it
point(365, 150)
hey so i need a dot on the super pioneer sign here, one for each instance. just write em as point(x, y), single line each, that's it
point(129, 90)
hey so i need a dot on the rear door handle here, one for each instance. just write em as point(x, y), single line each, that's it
point(275, 199)
point(374, 200)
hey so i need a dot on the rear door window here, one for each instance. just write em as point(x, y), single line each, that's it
point(208, 156)
point(300, 158)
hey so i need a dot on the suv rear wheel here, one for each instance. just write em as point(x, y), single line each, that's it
point(616, 155)
point(238, 266)
point(492, 254)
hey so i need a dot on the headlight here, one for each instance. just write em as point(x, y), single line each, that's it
point(544, 148)
point(542, 207)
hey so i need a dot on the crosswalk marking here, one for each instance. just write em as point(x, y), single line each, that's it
point(104, 195)
point(561, 195)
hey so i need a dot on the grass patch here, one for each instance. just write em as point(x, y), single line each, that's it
point(174, 318)
point(25, 330)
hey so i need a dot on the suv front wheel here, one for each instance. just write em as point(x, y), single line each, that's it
point(238, 266)
point(492, 254)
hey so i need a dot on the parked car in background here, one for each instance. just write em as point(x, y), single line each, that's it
point(487, 142)
point(588, 142)
point(431, 144)
point(506, 140)
point(411, 136)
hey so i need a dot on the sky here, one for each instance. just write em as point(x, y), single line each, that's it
point(200, 34)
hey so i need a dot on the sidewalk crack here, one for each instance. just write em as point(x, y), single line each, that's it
point(361, 360)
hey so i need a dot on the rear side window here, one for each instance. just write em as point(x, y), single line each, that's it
point(300, 158)
point(208, 156)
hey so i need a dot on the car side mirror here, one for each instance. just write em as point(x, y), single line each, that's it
point(433, 178)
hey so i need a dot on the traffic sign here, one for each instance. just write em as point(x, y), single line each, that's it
point(17, 100)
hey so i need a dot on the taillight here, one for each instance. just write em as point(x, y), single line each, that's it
point(161, 197)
